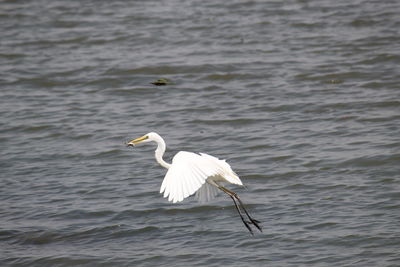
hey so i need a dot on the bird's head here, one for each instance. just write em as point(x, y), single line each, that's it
point(144, 139)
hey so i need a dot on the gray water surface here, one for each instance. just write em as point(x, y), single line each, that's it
point(301, 97)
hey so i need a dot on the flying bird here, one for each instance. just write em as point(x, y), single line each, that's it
point(192, 173)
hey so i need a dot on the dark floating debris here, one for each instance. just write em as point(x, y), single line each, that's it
point(162, 81)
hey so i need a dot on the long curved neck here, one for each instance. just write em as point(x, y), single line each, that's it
point(160, 152)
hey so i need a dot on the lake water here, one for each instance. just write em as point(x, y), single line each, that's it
point(301, 97)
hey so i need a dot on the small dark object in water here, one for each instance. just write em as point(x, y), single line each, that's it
point(162, 81)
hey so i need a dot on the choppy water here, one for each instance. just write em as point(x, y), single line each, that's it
point(301, 97)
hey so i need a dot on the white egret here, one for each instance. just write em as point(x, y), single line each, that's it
point(192, 173)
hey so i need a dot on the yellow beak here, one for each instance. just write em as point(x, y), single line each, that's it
point(137, 140)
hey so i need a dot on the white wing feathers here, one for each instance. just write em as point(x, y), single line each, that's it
point(206, 193)
point(189, 172)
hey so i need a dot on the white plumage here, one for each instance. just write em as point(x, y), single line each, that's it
point(192, 173)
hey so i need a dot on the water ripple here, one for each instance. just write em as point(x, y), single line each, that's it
point(301, 97)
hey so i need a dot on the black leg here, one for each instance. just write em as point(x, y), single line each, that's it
point(253, 221)
point(241, 216)
point(235, 197)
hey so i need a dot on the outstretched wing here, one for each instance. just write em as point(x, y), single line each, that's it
point(189, 172)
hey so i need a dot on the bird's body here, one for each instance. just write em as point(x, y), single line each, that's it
point(192, 173)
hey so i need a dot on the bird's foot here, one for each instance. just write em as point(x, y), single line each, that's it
point(256, 224)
